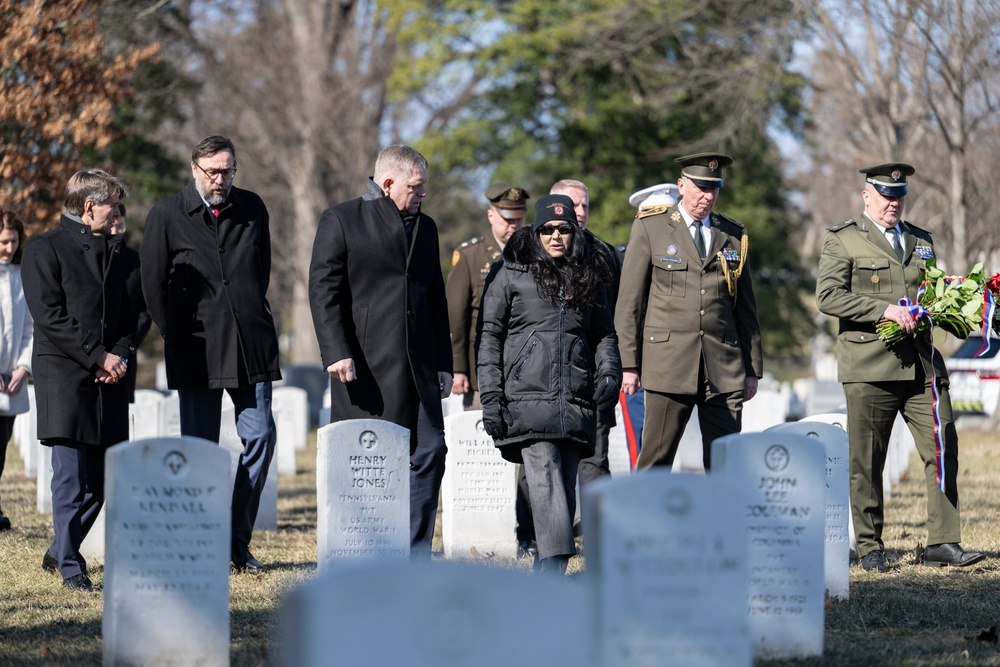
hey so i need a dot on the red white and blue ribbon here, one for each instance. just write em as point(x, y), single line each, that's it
point(918, 311)
point(989, 310)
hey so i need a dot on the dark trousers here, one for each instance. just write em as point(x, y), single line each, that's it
point(871, 412)
point(719, 414)
point(551, 469)
point(6, 430)
point(77, 497)
point(201, 416)
point(427, 454)
point(596, 466)
point(525, 529)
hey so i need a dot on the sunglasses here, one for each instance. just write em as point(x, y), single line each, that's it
point(564, 229)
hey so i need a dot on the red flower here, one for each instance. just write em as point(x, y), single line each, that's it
point(993, 284)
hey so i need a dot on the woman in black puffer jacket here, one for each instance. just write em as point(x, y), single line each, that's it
point(547, 358)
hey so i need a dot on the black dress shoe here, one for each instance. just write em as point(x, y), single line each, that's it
point(49, 564)
point(554, 565)
point(4, 522)
point(941, 555)
point(243, 560)
point(79, 582)
point(874, 561)
point(527, 548)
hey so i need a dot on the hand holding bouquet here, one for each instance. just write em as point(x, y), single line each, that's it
point(954, 303)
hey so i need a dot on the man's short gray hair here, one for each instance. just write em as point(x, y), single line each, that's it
point(398, 160)
point(94, 184)
point(560, 187)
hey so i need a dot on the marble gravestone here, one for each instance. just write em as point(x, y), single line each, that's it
point(170, 415)
point(28, 444)
point(290, 407)
point(166, 578)
point(477, 492)
point(144, 415)
point(362, 491)
point(229, 439)
point(619, 461)
point(779, 481)
point(837, 543)
point(43, 480)
point(667, 554)
point(444, 614)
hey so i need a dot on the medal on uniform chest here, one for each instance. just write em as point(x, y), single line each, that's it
point(672, 249)
point(924, 251)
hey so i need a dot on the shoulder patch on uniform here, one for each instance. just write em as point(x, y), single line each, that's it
point(653, 210)
point(455, 256)
point(726, 218)
point(844, 224)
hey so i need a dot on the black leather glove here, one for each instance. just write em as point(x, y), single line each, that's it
point(496, 419)
point(606, 393)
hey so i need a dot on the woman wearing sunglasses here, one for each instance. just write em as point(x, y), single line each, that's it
point(547, 358)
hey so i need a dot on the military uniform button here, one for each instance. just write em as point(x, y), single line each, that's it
point(701, 332)
point(875, 280)
point(701, 312)
point(703, 291)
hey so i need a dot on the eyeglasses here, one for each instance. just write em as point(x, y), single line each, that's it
point(215, 173)
point(564, 229)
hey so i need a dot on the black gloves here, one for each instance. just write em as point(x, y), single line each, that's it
point(496, 419)
point(606, 392)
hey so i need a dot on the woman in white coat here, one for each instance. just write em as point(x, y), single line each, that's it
point(15, 335)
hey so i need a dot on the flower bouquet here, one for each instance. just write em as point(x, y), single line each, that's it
point(953, 303)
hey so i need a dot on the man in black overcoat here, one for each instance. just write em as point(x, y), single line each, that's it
point(206, 265)
point(378, 305)
point(74, 285)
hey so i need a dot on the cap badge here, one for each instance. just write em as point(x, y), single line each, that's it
point(558, 210)
point(713, 165)
point(896, 173)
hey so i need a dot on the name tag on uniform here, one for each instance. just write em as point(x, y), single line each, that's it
point(672, 260)
point(924, 251)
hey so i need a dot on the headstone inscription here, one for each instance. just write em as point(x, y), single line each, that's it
point(477, 492)
point(362, 491)
point(667, 553)
point(166, 579)
point(779, 478)
point(443, 614)
point(837, 542)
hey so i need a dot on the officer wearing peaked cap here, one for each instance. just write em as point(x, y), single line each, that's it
point(867, 265)
point(508, 205)
point(686, 315)
point(664, 194)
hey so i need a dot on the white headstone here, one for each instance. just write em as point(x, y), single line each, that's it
point(477, 492)
point(170, 415)
point(619, 462)
point(779, 479)
point(839, 419)
point(92, 548)
point(166, 580)
point(43, 480)
point(395, 614)
point(28, 445)
point(668, 553)
point(362, 491)
point(689, 457)
point(229, 439)
point(290, 407)
point(837, 545)
point(144, 414)
point(768, 408)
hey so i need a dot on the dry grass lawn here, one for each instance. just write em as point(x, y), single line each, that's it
point(911, 616)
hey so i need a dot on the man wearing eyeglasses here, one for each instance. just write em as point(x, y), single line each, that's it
point(206, 265)
point(686, 316)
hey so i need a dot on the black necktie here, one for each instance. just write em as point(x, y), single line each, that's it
point(699, 239)
point(896, 245)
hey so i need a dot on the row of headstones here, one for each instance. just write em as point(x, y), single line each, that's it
point(681, 569)
point(154, 414)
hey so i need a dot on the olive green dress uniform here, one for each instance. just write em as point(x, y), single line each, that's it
point(859, 275)
point(697, 342)
point(470, 264)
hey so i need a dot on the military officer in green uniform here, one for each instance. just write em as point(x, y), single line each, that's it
point(686, 316)
point(867, 266)
point(470, 264)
